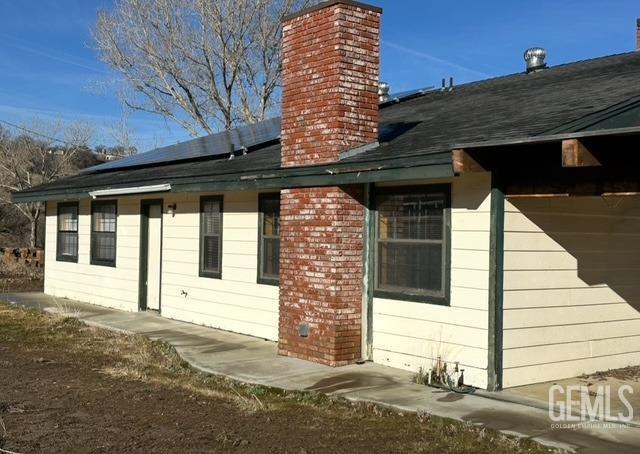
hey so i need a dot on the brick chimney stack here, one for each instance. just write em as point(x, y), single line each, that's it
point(638, 34)
point(331, 63)
point(330, 71)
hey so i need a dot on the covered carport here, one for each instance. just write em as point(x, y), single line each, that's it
point(565, 250)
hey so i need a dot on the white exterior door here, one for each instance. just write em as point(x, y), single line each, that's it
point(154, 256)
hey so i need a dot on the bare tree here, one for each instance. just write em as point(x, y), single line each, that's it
point(36, 157)
point(205, 64)
point(123, 137)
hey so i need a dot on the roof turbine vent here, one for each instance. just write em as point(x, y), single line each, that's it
point(535, 59)
point(383, 92)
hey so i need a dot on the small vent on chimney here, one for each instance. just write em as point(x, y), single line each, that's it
point(383, 92)
point(535, 59)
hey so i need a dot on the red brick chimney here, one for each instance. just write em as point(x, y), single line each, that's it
point(638, 34)
point(331, 63)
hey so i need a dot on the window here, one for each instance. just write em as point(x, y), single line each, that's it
point(269, 239)
point(211, 237)
point(67, 243)
point(412, 243)
point(104, 215)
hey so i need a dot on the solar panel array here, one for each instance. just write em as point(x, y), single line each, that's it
point(405, 95)
point(219, 144)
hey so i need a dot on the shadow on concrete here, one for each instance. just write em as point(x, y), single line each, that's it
point(350, 381)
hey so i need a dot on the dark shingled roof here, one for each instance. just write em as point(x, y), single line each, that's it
point(510, 107)
point(426, 128)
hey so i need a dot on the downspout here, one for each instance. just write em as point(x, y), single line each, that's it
point(367, 294)
point(496, 284)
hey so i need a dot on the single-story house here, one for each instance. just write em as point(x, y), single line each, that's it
point(494, 224)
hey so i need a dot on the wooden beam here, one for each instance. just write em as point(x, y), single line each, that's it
point(538, 195)
point(463, 162)
point(576, 154)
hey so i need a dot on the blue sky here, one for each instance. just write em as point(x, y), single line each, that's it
point(48, 67)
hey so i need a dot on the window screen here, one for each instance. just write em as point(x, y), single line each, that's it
point(269, 229)
point(211, 237)
point(67, 242)
point(411, 241)
point(103, 233)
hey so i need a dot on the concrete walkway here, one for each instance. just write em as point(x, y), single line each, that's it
point(255, 361)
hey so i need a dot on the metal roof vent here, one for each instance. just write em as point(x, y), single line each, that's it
point(383, 92)
point(535, 59)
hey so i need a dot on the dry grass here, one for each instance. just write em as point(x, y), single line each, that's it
point(19, 270)
point(16, 276)
point(136, 359)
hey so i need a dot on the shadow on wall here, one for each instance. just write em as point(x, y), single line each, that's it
point(602, 234)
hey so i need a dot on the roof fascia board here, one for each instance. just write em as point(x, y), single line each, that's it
point(57, 196)
point(587, 121)
point(278, 182)
point(432, 166)
point(549, 138)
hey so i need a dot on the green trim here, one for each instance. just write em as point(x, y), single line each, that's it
point(99, 262)
point(64, 258)
point(273, 181)
point(412, 297)
point(443, 299)
point(261, 279)
point(202, 272)
point(416, 168)
point(549, 138)
point(144, 251)
point(369, 266)
point(496, 285)
point(613, 117)
point(44, 196)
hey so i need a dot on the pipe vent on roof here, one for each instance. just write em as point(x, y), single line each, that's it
point(383, 92)
point(535, 57)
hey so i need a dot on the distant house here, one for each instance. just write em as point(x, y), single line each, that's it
point(55, 151)
point(495, 224)
point(103, 157)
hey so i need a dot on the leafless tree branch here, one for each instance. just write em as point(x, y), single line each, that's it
point(31, 160)
point(204, 64)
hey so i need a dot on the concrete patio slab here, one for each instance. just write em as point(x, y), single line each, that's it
point(255, 361)
point(537, 394)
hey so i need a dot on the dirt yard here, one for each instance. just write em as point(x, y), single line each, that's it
point(66, 387)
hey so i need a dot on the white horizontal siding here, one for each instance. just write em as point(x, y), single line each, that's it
point(102, 285)
point(234, 303)
point(412, 335)
point(572, 294)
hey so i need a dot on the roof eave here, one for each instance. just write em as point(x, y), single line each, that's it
point(549, 138)
point(418, 167)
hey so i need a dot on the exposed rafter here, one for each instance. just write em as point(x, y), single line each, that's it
point(463, 162)
point(576, 154)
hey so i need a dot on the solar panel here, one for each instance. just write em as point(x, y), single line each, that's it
point(221, 143)
point(404, 95)
point(212, 145)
